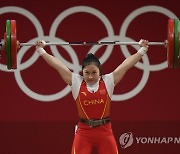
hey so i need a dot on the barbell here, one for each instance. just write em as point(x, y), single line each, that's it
point(10, 43)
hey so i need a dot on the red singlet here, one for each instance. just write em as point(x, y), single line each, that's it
point(94, 106)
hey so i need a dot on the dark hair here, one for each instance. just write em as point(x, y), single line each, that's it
point(91, 59)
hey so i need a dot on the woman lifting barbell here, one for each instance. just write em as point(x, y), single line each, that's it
point(92, 93)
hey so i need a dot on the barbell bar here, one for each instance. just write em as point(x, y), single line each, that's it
point(10, 43)
point(93, 43)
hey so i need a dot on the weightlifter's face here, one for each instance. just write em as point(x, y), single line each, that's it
point(91, 74)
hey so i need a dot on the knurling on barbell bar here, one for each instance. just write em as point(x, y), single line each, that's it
point(10, 43)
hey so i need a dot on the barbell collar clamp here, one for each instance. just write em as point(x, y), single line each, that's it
point(2, 44)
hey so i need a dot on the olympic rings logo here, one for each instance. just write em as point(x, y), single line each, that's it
point(75, 66)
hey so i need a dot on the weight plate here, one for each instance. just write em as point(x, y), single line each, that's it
point(13, 44)
point(8, 44)
point(176, 42)
point(170, 45)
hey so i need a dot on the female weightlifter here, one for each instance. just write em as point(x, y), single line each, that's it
point(92, 93)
